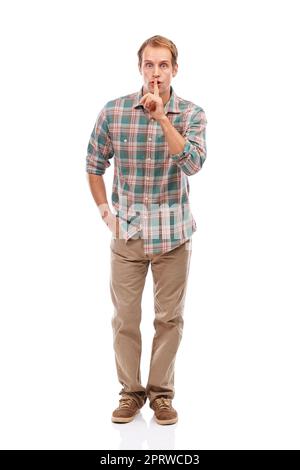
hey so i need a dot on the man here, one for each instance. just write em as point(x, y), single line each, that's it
point(157, 140)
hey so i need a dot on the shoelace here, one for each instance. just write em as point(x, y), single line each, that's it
point(163, 403)
point(126, 402)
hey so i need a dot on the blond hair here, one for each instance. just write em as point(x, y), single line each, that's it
point(159, 41)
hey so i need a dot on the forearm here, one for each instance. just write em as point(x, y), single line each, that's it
point(98, 190)
point(188, 153)
point(175, 140)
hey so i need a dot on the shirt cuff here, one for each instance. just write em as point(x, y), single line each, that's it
point(178, 156)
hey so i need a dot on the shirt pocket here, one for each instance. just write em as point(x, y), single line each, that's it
point(126, 146)
point(122, 142)
point(126, 160)
point(160, 148)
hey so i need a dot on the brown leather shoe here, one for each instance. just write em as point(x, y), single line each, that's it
point(126, 410)
point(164, 413)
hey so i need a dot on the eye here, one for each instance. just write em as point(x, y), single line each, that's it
point(164, 65)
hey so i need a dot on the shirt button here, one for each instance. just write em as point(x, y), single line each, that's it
point(150, 138)
point(125, 140)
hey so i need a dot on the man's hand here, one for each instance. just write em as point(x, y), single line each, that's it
point(154, 103)
point(111, 220)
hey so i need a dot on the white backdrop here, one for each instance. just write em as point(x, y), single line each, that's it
point(237, 369)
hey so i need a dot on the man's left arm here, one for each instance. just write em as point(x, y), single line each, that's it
point(188, 151)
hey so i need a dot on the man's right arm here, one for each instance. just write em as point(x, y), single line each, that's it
point(98, 190)
point(99, 152)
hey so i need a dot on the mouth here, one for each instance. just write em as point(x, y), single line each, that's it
point(152, 83)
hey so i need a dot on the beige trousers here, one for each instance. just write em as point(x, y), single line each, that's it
point(129, 267)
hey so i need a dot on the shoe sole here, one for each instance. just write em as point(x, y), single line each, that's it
point(124, 420)
point(166, 421)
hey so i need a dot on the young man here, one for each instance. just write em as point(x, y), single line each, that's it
point(157, 140)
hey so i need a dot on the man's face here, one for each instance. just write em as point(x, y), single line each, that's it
point(156, 63)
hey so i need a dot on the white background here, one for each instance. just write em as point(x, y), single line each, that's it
point(237, 369)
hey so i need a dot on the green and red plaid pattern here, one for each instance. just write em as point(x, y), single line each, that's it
point(150, 187)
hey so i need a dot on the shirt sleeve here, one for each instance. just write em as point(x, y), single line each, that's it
point(100, 148)
point(193, 155)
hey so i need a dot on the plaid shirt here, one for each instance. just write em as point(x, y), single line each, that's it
point(150, 187)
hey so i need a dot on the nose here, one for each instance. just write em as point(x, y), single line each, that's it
point(156, 72)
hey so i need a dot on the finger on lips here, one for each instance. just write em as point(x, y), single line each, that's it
point(147, 100)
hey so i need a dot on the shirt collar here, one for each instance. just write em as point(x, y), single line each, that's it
point(172, 106)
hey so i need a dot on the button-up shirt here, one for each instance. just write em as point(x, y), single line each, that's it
point(150, 191)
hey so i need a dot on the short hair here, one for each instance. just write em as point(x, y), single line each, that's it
point(159, 41)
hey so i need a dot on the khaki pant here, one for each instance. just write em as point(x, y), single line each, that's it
point(129, 267)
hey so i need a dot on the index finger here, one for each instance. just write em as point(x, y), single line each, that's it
point(156, 89)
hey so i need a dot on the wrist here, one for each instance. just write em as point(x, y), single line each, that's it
point(163, 118)
point(104, 210)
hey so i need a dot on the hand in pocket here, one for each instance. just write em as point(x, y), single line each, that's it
point(113, 223)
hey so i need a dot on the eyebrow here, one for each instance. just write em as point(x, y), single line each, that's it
point(147, 60)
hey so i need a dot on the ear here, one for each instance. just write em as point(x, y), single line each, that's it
point(175, 70)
